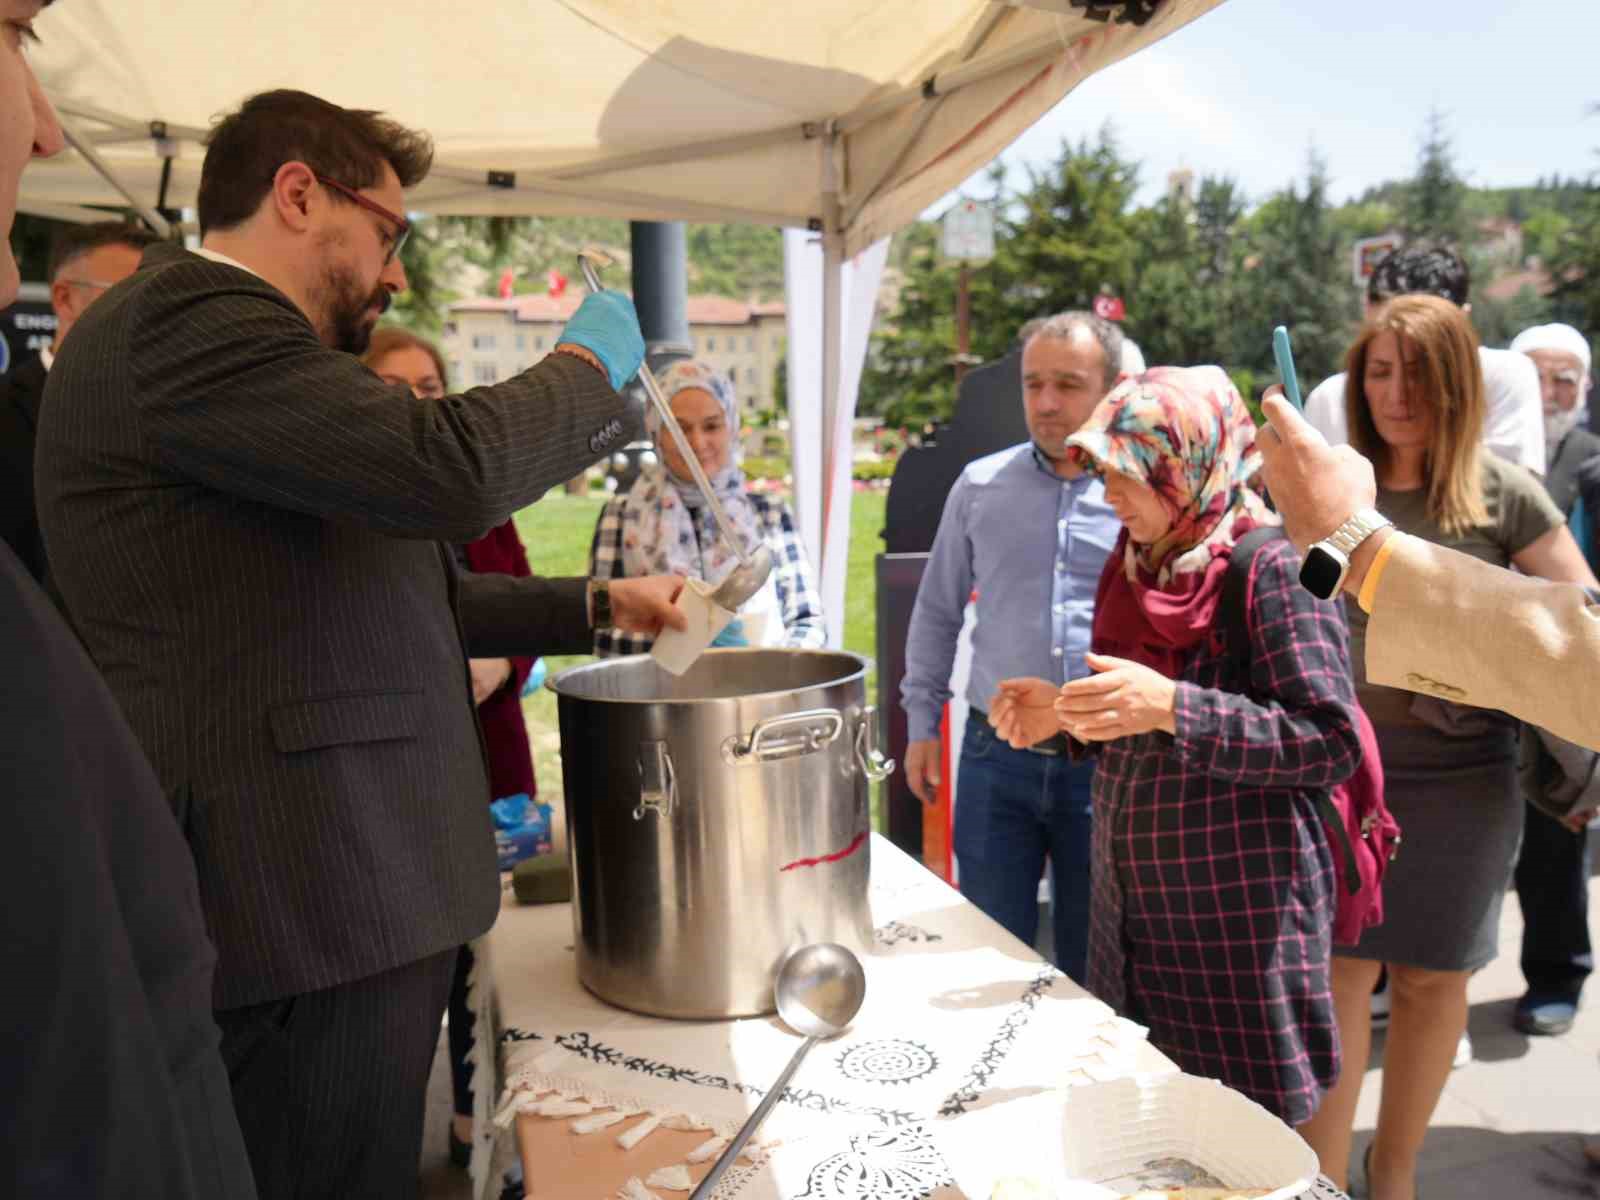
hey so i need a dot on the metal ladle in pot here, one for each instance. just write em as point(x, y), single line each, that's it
point(746, 579)
point(820, 988)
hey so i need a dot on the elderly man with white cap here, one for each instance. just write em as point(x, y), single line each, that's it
point(1553, 871)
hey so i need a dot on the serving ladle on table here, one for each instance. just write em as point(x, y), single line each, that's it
point(819, 989)
point(744, 580)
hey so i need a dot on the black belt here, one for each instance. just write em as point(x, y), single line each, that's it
point(1058, 745)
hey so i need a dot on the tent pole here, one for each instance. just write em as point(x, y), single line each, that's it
point(640, 207)
point(889, 163)
point(945, 82)
point(833, 554)
point(75, 213)
point(152, 218)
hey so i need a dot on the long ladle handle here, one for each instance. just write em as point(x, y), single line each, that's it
point(664, 410)
point(751, 1124)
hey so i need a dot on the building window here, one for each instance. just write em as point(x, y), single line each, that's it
point(450, 329)
point(522, 341)
point(455, 368)
point(711, 345)
point(483, 341)
point(483, 372)
point(538, 343)
point(750, 376)
point(777, 345)
point(750, 342)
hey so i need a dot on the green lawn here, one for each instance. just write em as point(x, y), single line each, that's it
point(557, 531)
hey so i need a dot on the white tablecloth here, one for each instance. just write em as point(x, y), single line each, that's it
point(957, 1013)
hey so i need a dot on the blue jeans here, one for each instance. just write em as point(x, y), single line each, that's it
point(1013, 807)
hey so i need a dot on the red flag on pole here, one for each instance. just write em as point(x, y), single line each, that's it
point(1109, 308)
point(507, 278)
point(556, 280)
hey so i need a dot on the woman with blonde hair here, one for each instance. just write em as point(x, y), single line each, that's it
point(1415, 405)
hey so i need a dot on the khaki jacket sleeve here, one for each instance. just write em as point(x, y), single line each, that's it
point(1450, 626)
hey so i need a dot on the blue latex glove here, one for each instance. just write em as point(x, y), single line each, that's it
point(732, 635)
point(535, 677)
point(607, 326)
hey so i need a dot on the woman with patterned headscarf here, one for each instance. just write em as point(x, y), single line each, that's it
point(663, 523)
point(1213, 882)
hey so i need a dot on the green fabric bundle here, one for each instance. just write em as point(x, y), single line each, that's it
point(543, 879)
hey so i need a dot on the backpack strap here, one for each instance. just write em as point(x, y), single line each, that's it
point(1237, 593)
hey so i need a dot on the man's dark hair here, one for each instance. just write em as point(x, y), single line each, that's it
point(72, 242)
point(1432, 270)
point(348, 145)
point(1062, 325)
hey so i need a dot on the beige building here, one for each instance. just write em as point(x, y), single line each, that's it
point(486, 341)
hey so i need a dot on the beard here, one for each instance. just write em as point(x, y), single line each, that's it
point(1558, 424)
point(345, 306)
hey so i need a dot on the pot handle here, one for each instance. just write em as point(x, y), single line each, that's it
point(811, 730)
point(658, 781)
point(871, 760)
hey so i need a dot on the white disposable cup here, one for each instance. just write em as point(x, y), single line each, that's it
point(676, 650)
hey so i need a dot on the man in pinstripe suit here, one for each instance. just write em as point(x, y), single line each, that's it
point(245, 526)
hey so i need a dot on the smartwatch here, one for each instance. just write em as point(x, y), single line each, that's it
point(600, 597)
point(1327, 562)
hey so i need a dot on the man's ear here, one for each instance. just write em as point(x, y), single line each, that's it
point(62, 300)
point(293, 185)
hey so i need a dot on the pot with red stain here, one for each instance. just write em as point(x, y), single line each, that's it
point(716, 821)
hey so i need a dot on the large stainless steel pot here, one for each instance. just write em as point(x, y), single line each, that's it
point(716, 821)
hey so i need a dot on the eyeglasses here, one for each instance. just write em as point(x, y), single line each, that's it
point(402, 226)
point(102, 284)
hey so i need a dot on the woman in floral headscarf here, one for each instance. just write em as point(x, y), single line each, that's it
point(663, 523)
point(1213, 884)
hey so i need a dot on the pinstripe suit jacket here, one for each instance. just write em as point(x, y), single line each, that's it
point(245, 529)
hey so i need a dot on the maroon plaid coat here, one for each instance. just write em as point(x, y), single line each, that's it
point(1213, 882)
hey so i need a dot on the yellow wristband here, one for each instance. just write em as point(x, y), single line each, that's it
point(1369, 585)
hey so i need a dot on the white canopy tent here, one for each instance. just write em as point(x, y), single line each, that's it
point(841, 119)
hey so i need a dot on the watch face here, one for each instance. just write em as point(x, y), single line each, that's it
point(1322, 572)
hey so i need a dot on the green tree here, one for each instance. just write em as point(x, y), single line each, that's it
point(1294, 272)
point(1183, 295)
point(1575, 267)
point(1543, 231)
point(1498, 321)
point(1434, 203)
point(1063, 238)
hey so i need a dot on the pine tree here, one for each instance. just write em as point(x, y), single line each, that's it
point(1294, 273)
point(1058, 243)
point(1434, 204)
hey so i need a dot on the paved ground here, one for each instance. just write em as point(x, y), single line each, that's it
point(1507, 1128)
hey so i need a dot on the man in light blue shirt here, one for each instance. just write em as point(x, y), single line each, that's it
point(1030, 533)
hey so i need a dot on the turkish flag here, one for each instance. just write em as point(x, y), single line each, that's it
point(1109, 308)
point(556, 281)
point(507, 277)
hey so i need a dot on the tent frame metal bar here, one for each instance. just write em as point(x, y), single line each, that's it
point(152, 218)
point(890, 163)
point(644, 205)
point(561, 179)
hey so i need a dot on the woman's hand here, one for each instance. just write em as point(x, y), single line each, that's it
point(489, 675)
point(1121, 699)
point(1021, 712)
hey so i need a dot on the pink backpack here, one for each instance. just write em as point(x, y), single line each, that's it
point(1362, 832)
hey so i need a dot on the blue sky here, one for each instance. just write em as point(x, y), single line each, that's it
point(1247, 88)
